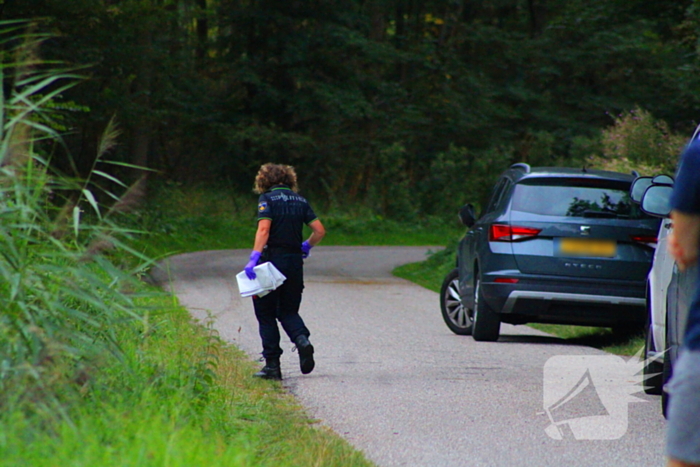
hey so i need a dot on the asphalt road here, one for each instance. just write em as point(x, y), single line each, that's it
point(398, 385)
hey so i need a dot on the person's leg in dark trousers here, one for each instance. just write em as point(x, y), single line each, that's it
point(289, 295)
point(266, 313)
point(289, 300)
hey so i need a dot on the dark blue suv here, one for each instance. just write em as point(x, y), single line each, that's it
point(553, 245)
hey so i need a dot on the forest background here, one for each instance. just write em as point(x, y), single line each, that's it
point(407, 107)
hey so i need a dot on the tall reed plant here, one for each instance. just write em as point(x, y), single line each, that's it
point(61, 297)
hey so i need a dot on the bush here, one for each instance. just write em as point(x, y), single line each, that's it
point(390, 192)
point(458, 177)
point(638, 141)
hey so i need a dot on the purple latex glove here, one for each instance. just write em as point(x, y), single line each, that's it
point(254, 257)
point(305, 249)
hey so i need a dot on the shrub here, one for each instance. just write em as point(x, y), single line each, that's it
point(638, 141)
point(457, 177)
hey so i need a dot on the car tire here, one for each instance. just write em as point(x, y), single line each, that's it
point(457, 317)
point(653, 369)
point(487, 324)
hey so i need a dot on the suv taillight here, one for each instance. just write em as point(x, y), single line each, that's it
point(511, 233)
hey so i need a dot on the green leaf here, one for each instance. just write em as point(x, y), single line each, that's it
point(76, 220)
point(109, 177)
point(131, 166)
point(93, 202)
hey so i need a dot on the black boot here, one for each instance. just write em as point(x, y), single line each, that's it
point(271, 370)
point(306, 354)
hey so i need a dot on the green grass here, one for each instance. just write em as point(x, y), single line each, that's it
point(182, 219)
point(431, 272)
point(179, 397)
point(600, 338)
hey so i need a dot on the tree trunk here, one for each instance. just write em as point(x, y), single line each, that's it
point(202, 31)
point(378, 26)
point(141, 140)
point(534, 23)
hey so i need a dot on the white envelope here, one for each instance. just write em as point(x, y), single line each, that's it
point(268, 278)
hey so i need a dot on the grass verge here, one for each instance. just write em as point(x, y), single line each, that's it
point(179, 396)
point(431, 272)
point(182, 219)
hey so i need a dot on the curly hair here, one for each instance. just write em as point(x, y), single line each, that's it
point(271, 174)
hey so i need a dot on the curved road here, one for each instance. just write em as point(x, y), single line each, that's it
point(398, 385)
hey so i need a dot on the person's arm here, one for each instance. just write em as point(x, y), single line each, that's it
point(261, 237)
point(317, 232)
point(684, 241)
point(262, 234)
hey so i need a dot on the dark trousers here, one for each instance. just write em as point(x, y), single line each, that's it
point(282, 304)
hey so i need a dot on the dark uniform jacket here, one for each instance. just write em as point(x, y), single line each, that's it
point(288, 211)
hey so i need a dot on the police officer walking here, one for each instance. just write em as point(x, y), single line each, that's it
point(282, 212)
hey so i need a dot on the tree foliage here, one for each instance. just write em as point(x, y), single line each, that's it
point(362, 95)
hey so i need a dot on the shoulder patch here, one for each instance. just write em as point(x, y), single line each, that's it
point(262, 206)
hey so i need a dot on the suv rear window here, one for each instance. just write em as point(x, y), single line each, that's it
point(576, 197)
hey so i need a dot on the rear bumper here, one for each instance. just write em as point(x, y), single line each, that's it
point(518, 295)
point(567, 301)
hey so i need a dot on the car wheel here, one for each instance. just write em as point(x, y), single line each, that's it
point(653, 369)
point(457, 317)
point(487, 325)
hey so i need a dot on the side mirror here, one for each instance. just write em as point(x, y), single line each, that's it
point(638, 188)
point(656, 200)
point(466, 215)
point(662, 180)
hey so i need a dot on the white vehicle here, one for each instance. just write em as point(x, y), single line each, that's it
point(658, 282)
point(669, 300)
point(667, 288)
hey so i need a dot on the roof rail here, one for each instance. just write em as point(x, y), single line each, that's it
point(522, 166)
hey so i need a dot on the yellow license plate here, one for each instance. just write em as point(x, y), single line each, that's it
point(587, 247)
